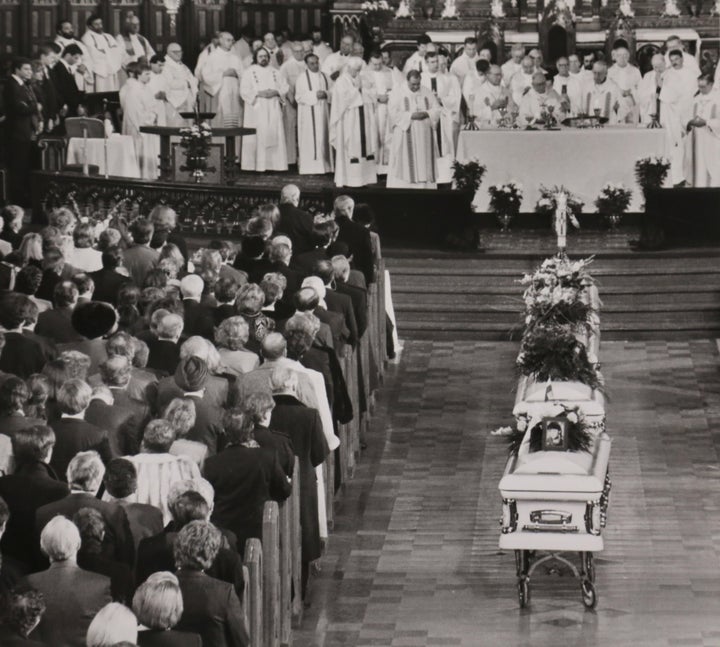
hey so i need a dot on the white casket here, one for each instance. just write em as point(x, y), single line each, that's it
point(532, 398)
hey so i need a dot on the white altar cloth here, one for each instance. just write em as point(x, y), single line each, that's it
point(122, 160)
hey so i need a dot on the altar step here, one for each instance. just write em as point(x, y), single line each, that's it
point(660, 296)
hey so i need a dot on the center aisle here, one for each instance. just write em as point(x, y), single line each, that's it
point(413, 560)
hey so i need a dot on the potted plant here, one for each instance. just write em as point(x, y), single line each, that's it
point(613, 201)
point(505, 200)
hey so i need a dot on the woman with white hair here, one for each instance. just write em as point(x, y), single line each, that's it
point(182, 415)
point(231, 337)
point(113, 624)
point(72, 595)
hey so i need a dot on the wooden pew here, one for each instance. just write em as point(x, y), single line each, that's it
point(253, 601)
point(271, 574)
point(285, 568)
point(296, 548)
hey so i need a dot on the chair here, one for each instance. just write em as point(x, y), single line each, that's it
point(82, 127)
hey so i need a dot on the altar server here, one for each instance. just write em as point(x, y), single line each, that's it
point(465, 63)
point(627, 77)
point(603, 97)
point(133, 45)
point(676, 105)
point(649, 91)
point(378, 80)
point(352, 120)
point(538, 99)
point(446, 90)
point(139, 109)
point(319, 47)
point(157, 88)
point(335, 63)
point(414, 115)
point(513, 64)
point(521, 81)
point(290, 70)
point(473, 83)
point(705, 127)
point(312, 93)
point(105, 55)
point(220, 84)
point(82, 69)
point(690, 63)
point(264, 90)
point(182, 86)
point(416, 61)
point(490, 98)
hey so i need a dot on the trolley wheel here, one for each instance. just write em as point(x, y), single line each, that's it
point(589, 597)
point(524, 591)
point(589, 566)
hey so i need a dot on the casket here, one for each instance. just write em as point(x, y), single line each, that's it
point(532, 398)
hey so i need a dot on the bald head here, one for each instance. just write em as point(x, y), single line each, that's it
point(622, 56)
point(290, 194)
point(658, 63)
point(225, 40)
point(538, 82)
point(599, 71)
point(527, 65)
point(274, 346)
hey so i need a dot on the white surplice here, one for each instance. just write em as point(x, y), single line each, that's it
point(266, 150)
point(290, 70)
point(322, 51)
point(462, 66)
point(706, 140)
point(533, 104)
point(519, 85)
point(414, 147)
point(414, 62)
point(314, 153)
point(106, 56)
point(380, 83)
point(134, 47)
point(509, 69)
point(648, 96)
point(139, 110)
point(182, 88)
point(352, 122)
point(84, 82)
point(219, 93)
point(569, 85)
point(627, 78)
point(446, 89)
point(605, 98)
point(485, 96)
point(676, 105)
point(155, 85)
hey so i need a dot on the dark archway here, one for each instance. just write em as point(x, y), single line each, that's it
point(557, 43)
point(492, 46)
point(644, 57)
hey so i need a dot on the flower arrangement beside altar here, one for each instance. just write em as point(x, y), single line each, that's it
point(467, 176)
point(613, 201)
point(651, 172)
point(548, 203)
point(505, 201)
point(196, 140)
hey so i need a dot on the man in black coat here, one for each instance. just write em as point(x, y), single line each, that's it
point(198, 317)
point(355, 236)
point(336, 301)
point(295, 223)
point(341, 273)
point(19, 355)
point(164, 350)
point(107, 280)
point(21, 120)
point(323, 235)
point(69, 95)
point(49, 99)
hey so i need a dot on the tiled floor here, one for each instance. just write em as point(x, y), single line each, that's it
point(413, 560)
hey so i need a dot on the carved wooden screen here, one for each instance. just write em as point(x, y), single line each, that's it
point(80, 11)
point(299, 17)
point(43, 17)
point(10, 26)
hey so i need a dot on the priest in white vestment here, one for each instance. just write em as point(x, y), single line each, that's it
point(105, 55)
point(290, 70)
point(181, 86)
point(243, 45)
point(521, 82)
point(139, 109)
point(583, 75)
point(134, 46)
point(446, 90)
point(627, 77)
point(416, 61)
point(603, 97)
point(335, 63)
point(378, 82)
point(206, 51)
point(264, 90)
point(465, 63)
point(540, 100)
point(690, 63)
point(705, 129)
point(386, 56)
point(82, 70)
point(319, 47)
point(273, 49)
point(220, 84)
point(490, 99)
point(649, 91)
point(676, 104)
point(414, 115)
point(568, 87)
point(352, 123)
point(473, 83)
point(513, 64)
point(312, 93)
point(157, 88)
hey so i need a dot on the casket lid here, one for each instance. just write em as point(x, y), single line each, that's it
point(529, 392)
point(554, 463)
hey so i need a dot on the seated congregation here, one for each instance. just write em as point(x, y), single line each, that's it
point(175, 424)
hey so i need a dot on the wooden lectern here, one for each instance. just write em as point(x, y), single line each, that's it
point(166, 132)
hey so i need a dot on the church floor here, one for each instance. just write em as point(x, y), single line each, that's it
point(413, 559)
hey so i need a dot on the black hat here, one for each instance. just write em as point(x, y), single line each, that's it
point(94, 319)
point(191, 374)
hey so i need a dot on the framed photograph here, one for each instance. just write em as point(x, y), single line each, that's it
point(554, 435)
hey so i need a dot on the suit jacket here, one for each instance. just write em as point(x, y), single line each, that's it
point(305, 262)
point(107, 282)
point(48, 345)
point(216, 392)
point(297, 225)
point(342, 303)
point(360, 305)
point(339, 330)
point(139, 260)
point(67, 90)
point(57, 325)
point(279, 442)
point(15, 422)
point(30, 487)
point(230, 272)
point(122, 579)
point(73, 435)
point(198, 319)
point(171, 638)
point(21, 113)
point(21, 356)
point(222, 312)
point(9, 638)
point(93, 348)
point(211, 609)
point(357, 238)
point(72, 597)
point(292, 276)
point(118, 542)
point(123, 424)
point(164, 355)
point(48, 97)
point(144, 520)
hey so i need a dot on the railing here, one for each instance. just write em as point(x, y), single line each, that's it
point(273, 601)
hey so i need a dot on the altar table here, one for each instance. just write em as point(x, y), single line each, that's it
point(122, 160)
point(582, 160)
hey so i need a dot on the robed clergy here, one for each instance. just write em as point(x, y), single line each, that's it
point(705, 128)
point(352, 122)
point(490, 98)
point(378, 80)
point(539, 101)
point(649, 91)
point(290, 70)
point(182, 86)
point(414, 115)
point(105, 55)
point(139, 109)
point(603, 97)
point(312, 93)
point(220, 84)
point(263, 90)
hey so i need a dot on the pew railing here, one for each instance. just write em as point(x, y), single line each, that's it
point(253, 600)
point(271, 574)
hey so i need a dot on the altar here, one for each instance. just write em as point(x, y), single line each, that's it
point(582, 160)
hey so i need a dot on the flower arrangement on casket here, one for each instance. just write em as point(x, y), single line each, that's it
point(651, 172)
point(468, 175)
point(196, 140)
point(552, 352)
point(506, 198)
point(547, 203)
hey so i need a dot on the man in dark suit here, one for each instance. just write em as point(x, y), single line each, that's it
point(198, 317)
point(32, 485)
point(252, 258)
point(341, 271)
point(21, 120)
point(49, 99)
point(336, 301)
point(295, 223)
point(85, 475)
point(141, 258)
point(107, 280)
point(225, 293)
point(56, 324)
point(336, 321)
point(164, 350)
point(122, 423)
point(19, 355)
point(72, 595)
point(355, 236)
point(323, 235)
point(70, 97)
point(280, 256)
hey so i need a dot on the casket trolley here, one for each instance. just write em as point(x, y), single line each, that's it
point(555, 501)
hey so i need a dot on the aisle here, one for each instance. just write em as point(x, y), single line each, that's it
point(413, 560)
